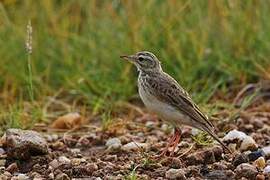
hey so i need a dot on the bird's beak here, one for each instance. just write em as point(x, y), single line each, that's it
point(130, 57)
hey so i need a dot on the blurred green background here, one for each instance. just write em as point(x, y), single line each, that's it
point(207, 46)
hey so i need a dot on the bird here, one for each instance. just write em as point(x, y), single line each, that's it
point(163, 95)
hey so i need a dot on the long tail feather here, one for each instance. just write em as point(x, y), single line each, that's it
point(210, 132)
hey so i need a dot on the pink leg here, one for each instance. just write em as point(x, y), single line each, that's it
point(177, 135)
point(173, 141)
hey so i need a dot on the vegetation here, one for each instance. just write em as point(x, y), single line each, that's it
point(207, 46)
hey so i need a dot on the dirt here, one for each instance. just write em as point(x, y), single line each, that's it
point(83, 153)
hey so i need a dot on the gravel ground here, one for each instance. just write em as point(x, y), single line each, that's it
point(129, 149)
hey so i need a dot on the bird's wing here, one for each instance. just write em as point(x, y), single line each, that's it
point(169, 91)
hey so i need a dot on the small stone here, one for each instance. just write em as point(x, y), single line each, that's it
point(2, 151)
point(22, 177)
point(220, 174)
point(21, 144)
point(255, 155)
point(77, 161)
point(2, 162)
point(246, 170)
point(248, 144)
point(75, 150)
point(260, 162)
point(232, 147)
point(258, 123)
point(175, 174)
point(209, 155)
point(165, 128)
point(36, 175)
point(114, 143)
point(51, 175)
point(91, 167)
point(64, 160)
point(266, 151)
point(58, 145)
point(12, 168)
point(54, 163)
point(239, 159)
point(221, 165)
point(110, 158)
point(267, 170)
point(150, 124)
point(260, 177)
point(132, 146)
point(8, 174)
point(234, 135)
point(62, 176)
point(3, 177)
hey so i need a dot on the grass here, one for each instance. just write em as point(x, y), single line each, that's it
point(206, 45)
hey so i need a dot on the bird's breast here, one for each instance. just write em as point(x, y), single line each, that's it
point(164, 110)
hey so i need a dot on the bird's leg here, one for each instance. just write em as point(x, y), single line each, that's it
point(173, 141)
point(177, 136)
point(163, 153)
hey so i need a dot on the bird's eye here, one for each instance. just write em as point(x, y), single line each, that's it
point(140, 58)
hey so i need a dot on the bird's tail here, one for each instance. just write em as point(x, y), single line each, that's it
point(213, 134)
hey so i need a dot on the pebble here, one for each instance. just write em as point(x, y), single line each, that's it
point(239, 159)
point(114, 143)
point(260, 177)
point(132, 146)
point(54, 163)
point(22, 177)
point(91, 167)
point(150, 124)
point(209, 155)
point(165, 128)
point(248, 144)
point(12, 168)
point(21, 144)
point(220, 174)
point(246, 170)
point(51, 175)
point(2, 151)
point(255, 155)
point(266, 151)
point(4, 177)
point(62, 176)
point(267, 170)
point(2, 162)
point(77, 161)
point(175, 174)
point(64, 160)
point(260, 162)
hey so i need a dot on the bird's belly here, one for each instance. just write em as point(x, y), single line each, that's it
point(165, 111)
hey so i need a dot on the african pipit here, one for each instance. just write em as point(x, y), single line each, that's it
point(162, 95)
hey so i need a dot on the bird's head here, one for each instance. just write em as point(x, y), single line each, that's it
point(144, 61)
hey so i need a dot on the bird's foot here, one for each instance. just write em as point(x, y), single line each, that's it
point(173, 142)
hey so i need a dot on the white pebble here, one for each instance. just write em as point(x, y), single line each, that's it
point(266, 151)
point(135, 146)
point(64, 160)
point(248, 144)
point(266, 170)
point(114, 143)
point(22, 177)
point(234, 134)
point(150, 124)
